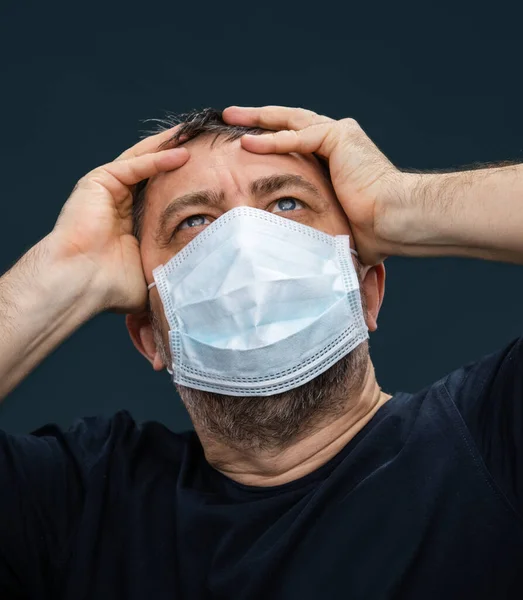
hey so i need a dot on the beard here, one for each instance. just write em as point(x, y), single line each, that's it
point(265, 423)
point(274, 422)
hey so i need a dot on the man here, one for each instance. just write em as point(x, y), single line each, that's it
point(303, 479)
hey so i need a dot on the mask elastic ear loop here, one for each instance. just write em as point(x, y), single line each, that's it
point(354, 252)
point(150, 286)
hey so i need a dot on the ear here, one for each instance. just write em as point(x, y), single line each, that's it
point(373, 287)
point(141, 332)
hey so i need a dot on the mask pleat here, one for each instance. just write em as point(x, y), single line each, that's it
point(256, 297)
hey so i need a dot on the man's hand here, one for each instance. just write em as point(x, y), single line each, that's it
point(473, 214)
point(88, 263)
point(366, 183)
point(95, 225)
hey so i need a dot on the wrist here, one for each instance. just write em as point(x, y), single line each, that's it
point(44, 297)
point(399, 219)
point(69, 275)
point(421, 212)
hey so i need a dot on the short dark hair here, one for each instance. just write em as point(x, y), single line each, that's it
point(207, 121)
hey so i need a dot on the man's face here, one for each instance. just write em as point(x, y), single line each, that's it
point(231, 177)
point(180, 204)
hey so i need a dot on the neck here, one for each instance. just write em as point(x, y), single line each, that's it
point(279, 466)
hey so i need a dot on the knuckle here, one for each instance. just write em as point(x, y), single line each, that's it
point(331, 139)
point(289, 136)
point(350, 123)
point(96, 173)
point(268, 113)
point(86, 179)
point(100, 175)
point(86, 183)
point(302, 118)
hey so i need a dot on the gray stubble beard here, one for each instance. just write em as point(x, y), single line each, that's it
point(248, 423)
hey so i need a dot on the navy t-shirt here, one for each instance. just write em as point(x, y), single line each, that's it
point(425, 502)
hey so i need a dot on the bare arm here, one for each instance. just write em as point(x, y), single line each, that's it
point(88, 263)
point(476, 214)
point(43, 299)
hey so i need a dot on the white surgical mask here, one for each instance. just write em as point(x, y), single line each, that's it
point(258, 304)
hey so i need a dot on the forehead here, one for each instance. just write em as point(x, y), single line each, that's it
point(225, 166)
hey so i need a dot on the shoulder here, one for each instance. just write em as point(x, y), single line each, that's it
point(472, 393)
point(487, 398)
point(93, 439)
point(498, 371)
point(53, 477)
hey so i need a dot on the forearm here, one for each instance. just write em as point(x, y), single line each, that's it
point(43, 299)
point(477, 214)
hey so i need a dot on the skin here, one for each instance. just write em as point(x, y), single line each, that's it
point(229, 168)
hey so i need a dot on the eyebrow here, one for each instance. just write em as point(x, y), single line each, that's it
point(263, 186)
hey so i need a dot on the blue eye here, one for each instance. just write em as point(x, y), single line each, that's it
point(194, 221)
point(288, 204)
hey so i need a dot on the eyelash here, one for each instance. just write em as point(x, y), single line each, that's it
point(179, 226)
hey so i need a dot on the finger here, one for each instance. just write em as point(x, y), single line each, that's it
point(317, 138)
point(149, 144)
point(118, 176)
point(273, 117)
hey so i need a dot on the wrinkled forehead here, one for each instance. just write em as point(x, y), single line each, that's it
point(215, 150)
point(226, 163)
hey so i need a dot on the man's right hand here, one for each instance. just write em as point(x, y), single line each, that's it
point(90, 262)
point(95, 225)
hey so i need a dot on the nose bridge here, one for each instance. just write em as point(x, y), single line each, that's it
point(235, 186)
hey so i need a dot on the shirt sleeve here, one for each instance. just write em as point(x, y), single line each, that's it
point(489, 395)
point(43, 479)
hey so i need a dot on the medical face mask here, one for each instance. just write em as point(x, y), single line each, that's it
point(258, 304)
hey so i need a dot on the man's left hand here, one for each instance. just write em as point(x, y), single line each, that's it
point(366, 183)
point(474, 214)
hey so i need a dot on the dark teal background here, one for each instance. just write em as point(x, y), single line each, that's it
point(432, 93)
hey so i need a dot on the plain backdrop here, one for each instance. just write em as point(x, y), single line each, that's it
point(433, 89)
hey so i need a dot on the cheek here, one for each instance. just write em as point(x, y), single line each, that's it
point(331, 220)
point(157, 308)
point(152, 258)
point(338, 221)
